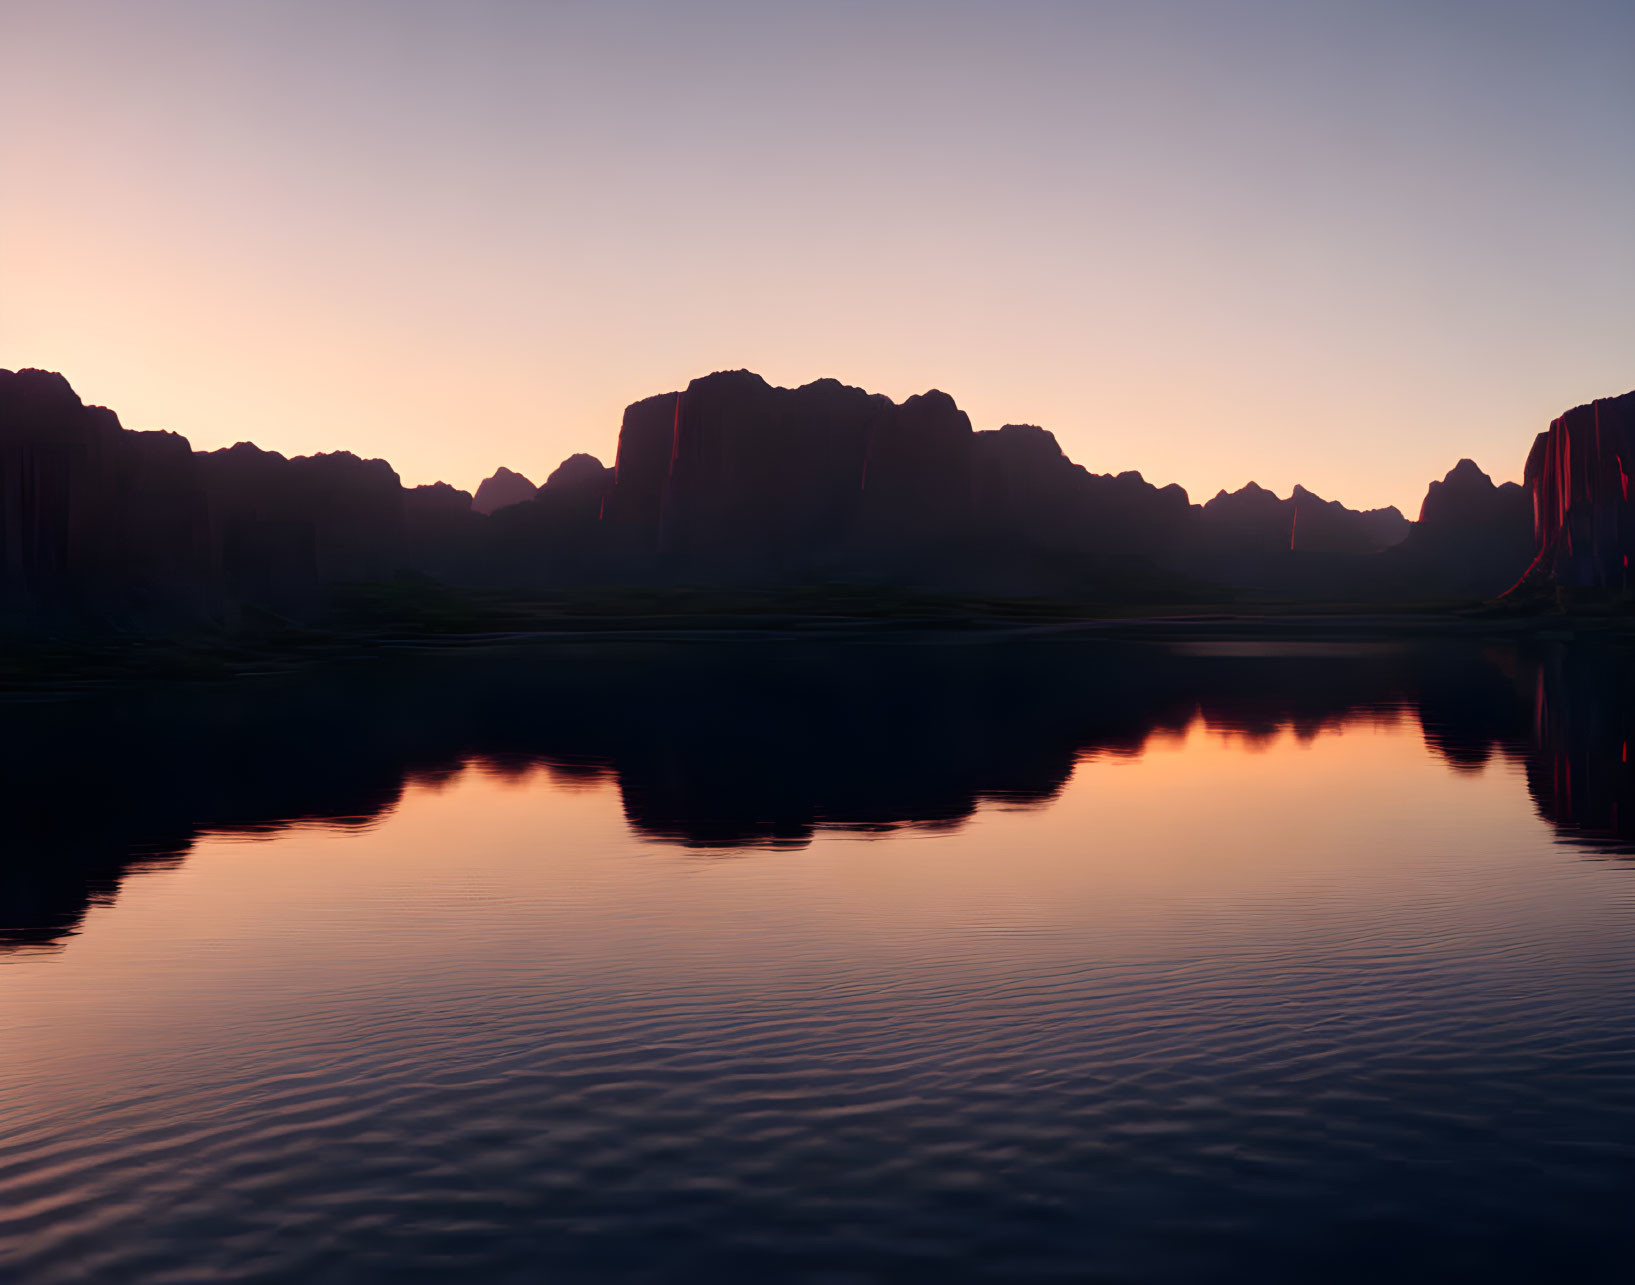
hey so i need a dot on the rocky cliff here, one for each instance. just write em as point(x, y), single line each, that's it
point(1577, 479)
point(732, 478)
point(97, 524)
point(285, 527)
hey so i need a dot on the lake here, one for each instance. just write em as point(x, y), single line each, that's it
point(842, 962)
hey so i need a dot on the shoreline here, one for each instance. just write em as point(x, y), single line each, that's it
point(373, 623)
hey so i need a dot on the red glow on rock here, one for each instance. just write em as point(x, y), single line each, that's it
point(675, 435)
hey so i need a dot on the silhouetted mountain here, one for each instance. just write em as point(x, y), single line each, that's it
point(744, 745)
point(502, 489)
point(442, 534)
point(287, 526)
point(556, 537)
point(96, 522)
point(1254, 520)
point(728, 482)
point(734, 480)
point(355, 507)
point(1472, 539)
point(1030, 498)
point(1250, 520)
point(1302, 547)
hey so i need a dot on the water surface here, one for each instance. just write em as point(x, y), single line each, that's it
point(844, 964)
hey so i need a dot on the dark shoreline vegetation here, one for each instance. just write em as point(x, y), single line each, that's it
point(373, 620)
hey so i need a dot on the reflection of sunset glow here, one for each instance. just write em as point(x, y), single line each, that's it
point(499, 862)
point(505, 966)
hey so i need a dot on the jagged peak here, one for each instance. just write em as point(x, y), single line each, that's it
point(42, 387)
point(501, 489)
point(1468, 472)
point(1248, 491)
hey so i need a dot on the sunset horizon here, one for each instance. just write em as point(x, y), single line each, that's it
point(1343, 250)
point(608, 456)
point(696, 642)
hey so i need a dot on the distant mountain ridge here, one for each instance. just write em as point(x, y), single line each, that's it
point(1254, 516)
point(728, 481)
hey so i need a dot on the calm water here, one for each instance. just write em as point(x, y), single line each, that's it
point(832, 964)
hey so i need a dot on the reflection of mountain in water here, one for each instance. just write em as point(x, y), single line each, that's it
point(1578, 767)
point(746, 745)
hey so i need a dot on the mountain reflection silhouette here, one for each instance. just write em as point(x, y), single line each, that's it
point(752, 746)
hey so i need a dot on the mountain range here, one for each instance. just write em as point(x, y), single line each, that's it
point(732, 481)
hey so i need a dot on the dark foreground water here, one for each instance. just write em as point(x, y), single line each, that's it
point(845, 964)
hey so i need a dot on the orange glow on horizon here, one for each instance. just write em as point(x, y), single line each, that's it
point(456, 239)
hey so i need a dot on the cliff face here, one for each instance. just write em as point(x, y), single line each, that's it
point(287, 526)
point(734, 478)
point(96, 521)
point(1578, 480)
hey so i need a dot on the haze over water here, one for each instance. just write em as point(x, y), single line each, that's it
point(1148, 981)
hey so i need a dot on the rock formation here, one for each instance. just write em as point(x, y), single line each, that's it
point(287, 526)
point(734, 478)
point(98, 525)
point(442, 533)
point(1031, 501)
point(732, 481)
point(1577, 478)
point(1473, 539)
point(1254, 520)
point(557, 537)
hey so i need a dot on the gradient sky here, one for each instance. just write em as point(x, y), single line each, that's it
point(1342, 244)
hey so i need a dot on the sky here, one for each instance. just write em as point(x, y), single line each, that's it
point(1340, 244)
